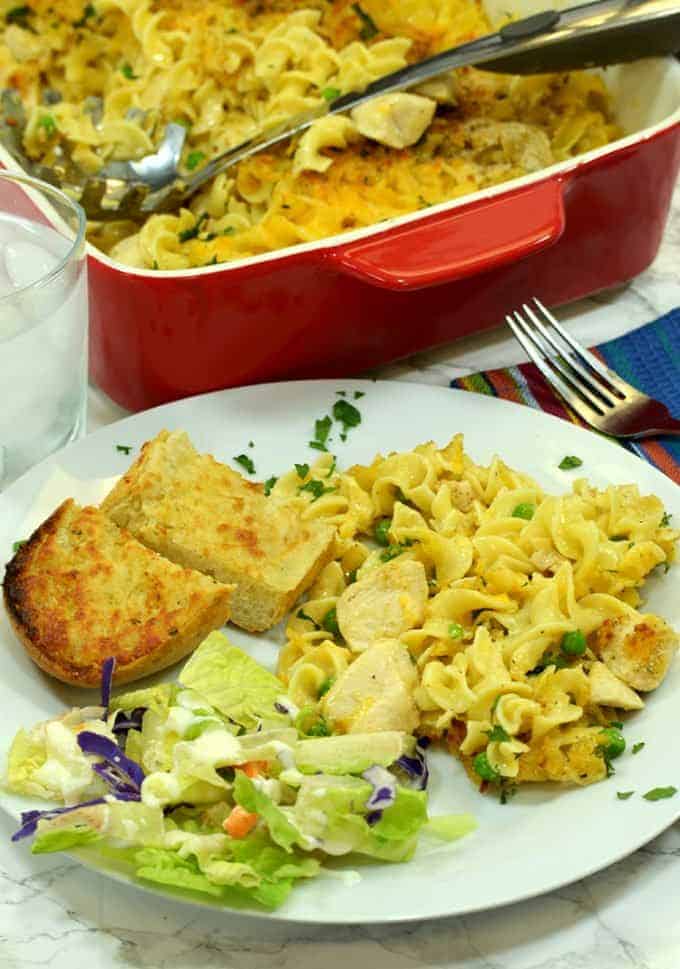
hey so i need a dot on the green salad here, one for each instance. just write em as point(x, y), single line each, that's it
point(218, 785)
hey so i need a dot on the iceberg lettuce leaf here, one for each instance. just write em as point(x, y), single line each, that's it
point(233, 683)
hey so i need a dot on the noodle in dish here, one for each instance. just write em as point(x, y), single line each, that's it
point(101, 80)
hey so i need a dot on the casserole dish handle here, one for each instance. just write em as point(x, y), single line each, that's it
point(459, 242)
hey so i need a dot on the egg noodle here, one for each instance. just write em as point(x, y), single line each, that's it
point(101, 80)
point(527, 637)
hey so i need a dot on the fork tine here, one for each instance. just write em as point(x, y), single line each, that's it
point(616, 382)
point(605, 393)
point(583, 408)
point(557, 368)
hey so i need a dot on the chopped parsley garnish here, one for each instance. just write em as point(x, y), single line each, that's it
point(569, 461)
point(245, 462)
point(368, 28)
point(341, 393)
point(332, 468)
point(301, 614)
point(17, 545)
point(497, 734)
point(251, 443)
point(549, 659)
point(19, 16)
point(352, 576)
point(330, 622)
point(358, 394)
point(322, 429)
point(191, 233)
point(325, 686)
point(316, 488)
point(523, 510)
point(392, 551)
point(483, 768)
point(666, 520)
point(615, 723)
point(194, 158)
point(347, 415)
point(302, 470)
point(624, 795)
point(330, 93)
point(124, 448)
point(381, 532)
point(88, 12)
point(456, 632)
point(269, 484)
point(48, 124)
point(127, 72)
point(638, 747)
point(660, 793)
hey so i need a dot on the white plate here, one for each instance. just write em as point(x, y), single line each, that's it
point(543, 838)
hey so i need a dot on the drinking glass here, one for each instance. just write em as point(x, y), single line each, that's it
point(43, 322)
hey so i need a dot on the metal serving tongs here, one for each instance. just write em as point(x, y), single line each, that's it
point(599, 33)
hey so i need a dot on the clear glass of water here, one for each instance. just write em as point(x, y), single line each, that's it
point(43, 322)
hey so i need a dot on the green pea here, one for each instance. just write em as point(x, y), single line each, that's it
point(574, 643)
point(524, 510)
point(381, 530)
point(615, 743)
point(484, 769)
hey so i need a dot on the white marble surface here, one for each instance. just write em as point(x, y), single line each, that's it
point(54, 913)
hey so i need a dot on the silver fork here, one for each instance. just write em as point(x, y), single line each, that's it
point(594, 392)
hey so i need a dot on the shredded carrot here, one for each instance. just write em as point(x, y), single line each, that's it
point(253, 768)
point(240, 822)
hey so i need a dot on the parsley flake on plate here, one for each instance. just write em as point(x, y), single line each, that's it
point(17, 545)
point(569, 461)
point(497, 734)
point(638, 747)
point(624, 795)
point(660, 793)
point(124, 448)
point(302, 470)
point(269, 484)
point(245, 462)
point(347, 415)
point(322, 428)
point(330, 93)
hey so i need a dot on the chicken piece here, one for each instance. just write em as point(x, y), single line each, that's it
point(375, 692)
point(441, 89)
point(609, 691)
point(639, 653)
point(462, 495)
point(383, 604)
point(396, 120)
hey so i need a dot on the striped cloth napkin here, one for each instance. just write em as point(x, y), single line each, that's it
point(648, 358)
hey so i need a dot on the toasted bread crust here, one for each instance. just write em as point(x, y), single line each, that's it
point(81, 590)
point(203, 515)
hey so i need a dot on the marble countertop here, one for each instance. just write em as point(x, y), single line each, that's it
point(56, 914)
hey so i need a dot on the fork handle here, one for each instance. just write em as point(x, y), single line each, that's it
point(660, 423)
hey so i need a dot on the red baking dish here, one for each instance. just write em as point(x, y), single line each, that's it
point(343, 305)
